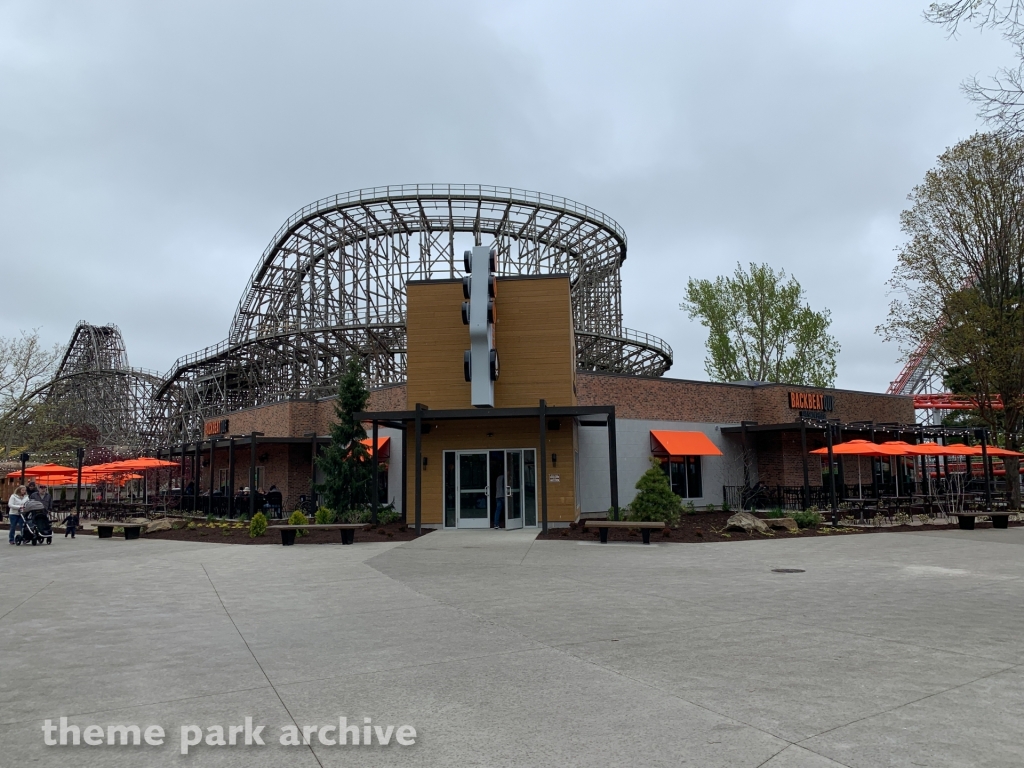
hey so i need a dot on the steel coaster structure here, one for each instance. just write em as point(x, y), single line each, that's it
point(921, 377)
point(331, 285)
point(95, 387)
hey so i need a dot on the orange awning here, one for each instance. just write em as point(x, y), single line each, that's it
point(664, 442)
point(383, 446)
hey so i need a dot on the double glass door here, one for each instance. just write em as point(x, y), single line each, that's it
point(490, 489)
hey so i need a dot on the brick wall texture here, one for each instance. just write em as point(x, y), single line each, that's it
point(637, 397)
point(778, 455)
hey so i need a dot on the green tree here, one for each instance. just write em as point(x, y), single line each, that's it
point(760, 329)
point(655, 500)
point(345, 465)
point(961, 276)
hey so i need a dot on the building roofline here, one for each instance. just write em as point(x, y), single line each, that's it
point(742, 385)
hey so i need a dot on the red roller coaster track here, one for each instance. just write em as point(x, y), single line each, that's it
point(947, 402)
point(916, 375)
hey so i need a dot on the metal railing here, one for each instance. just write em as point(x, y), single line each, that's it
point(405, 192)
point(222, 347)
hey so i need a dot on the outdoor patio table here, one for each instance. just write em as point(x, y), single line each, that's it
point(861, 503)
point(896, 500)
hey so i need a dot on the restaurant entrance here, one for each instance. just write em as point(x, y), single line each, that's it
point(491, 489)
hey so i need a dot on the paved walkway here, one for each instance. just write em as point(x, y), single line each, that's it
point(895, 649)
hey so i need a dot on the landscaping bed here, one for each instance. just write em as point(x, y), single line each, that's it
point(710, 526)
point(238, 533)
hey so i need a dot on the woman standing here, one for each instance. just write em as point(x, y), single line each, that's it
point(14, 506)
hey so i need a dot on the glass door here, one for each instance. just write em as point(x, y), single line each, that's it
point(513, 489)
point(472, 479)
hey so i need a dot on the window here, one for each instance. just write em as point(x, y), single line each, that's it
point(684, 475)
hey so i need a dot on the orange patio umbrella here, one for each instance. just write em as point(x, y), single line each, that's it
point(991, 450)
point(867, 448)
point(934, 449)
point(42, 470)
point(895, 448)
point(856, 448)
point(128, 465)
point(850, 448)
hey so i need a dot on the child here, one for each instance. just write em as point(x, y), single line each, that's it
point(70, 524)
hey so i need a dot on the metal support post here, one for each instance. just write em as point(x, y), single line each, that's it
point(418, 469)
point(803, 459)
point(832, 479)
point(613, 464)
point(375, 496)
point(231, 476)
point(544, 465)
point(80, 455)
point(405, 475)
point(988, 469)
point(252, 472)
point(209, 506)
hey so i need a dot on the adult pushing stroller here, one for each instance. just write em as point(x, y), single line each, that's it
point(37, 524)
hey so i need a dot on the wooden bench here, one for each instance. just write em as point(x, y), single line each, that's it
point(348, 531)
point(966, 519)
point(105, 529)
point(604, 525)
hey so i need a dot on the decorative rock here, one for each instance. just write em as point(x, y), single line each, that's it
point(158, 525)
point(744, 521)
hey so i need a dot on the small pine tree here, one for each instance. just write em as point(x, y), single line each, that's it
point(298, 518)
point(655, 500)
point(325, 516)
point(345, 465)
point(257, 527)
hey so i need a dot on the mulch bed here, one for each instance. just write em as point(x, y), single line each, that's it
point(710, 526)
point(213, 532)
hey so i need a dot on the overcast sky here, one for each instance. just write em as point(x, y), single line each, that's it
point(149, 151)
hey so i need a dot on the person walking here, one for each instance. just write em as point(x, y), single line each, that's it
point(499, 504)
point(42, 495)
point(14, 507)
point(70, 524)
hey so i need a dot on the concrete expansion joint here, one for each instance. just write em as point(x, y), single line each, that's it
point(575, 659)
point(41, 589)
point(258, 664)
point(908, 703)
point(791, 745)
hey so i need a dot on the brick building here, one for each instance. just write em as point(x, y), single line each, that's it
point(541, 449)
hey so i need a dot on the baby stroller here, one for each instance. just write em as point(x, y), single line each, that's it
point(37, 524)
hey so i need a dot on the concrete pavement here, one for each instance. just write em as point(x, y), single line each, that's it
point(890, 649)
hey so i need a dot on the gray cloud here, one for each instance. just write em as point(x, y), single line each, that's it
point(148, 151)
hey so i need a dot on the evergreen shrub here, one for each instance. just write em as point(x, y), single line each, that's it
point(655, 500)
point(258, 526)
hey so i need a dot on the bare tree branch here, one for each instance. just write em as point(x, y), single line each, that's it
point(24, 365)
point(1000, 101)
